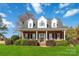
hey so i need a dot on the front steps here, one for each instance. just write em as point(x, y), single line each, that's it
point(43, 43)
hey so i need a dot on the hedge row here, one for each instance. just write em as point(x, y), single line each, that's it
point(56, 43)
point(35, 42)
point(22, 42)
point(26, 42)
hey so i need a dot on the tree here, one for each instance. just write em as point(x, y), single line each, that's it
point(77, 29)
point(15, 37)
point(3, 28)
point(71, 34)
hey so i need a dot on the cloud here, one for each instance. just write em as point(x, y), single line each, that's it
point(8, 23)
point(2, 14)
point(71, 12)
point(47, 4)
point(28, 7)
point(37, 7)
point(57, 11)
point(62, 5)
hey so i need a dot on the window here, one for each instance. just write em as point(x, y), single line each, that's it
point(33, 25)
point(47, 26)
point(54, 24)
point(57, 25)
point(42, 23)
point(33, 35)
point(26, 36)
point(30, 25)
point(41, 35)
point(50, 36)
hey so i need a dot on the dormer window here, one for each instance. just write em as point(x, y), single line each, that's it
point(30, 23)
point(54, 23)
point(42, 22)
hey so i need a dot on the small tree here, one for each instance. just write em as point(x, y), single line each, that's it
point(15, 37)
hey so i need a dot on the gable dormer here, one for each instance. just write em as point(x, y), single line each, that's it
point(54, 23)
point(42, 22)
point(30, 23)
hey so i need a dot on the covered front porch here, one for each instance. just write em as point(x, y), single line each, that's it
point(44, 34)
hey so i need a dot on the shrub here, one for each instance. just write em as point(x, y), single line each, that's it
point(8, 42)
point(50, 43)
point(61, 43)
point(32, 43)
point(26, 42)
point(74, 41)
point(21, 42)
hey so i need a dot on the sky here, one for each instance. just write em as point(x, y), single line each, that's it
point(67, 12)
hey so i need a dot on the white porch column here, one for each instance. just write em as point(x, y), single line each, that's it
point(22, 35)
point(46, 34)
point(36, 35)
point(64, 34)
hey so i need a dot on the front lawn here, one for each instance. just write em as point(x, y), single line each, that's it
point(38, 51)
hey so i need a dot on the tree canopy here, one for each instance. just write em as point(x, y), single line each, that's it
point(3, 28)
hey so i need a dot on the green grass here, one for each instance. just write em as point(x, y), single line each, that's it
point(38, 51)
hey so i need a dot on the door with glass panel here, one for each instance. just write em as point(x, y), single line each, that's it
point(42, 36)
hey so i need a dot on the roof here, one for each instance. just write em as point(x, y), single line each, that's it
point(26, 17)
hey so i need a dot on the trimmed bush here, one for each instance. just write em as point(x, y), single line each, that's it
point(8, 42)
point(56, 43)
point(32, 42)
point(21, 42)
point(26, 42)
point(50, 43)
point(61, 43)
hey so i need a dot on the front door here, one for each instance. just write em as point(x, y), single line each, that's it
point(42, 36)
point(58, 35)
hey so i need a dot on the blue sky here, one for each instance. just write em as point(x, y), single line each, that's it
point(68, 13)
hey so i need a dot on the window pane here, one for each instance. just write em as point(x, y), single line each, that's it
point(42, 23)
